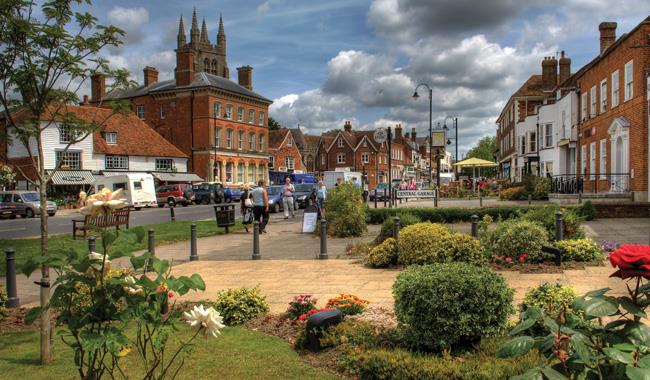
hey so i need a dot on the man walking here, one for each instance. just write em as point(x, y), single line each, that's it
point(287, 198)
point(261, 205)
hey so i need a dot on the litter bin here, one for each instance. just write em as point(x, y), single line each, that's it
point(225, 215)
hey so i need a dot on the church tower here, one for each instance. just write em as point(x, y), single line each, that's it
point(199, 55)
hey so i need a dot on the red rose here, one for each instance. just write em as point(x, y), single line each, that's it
point(631, 256)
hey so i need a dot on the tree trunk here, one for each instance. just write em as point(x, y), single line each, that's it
point(46, 327)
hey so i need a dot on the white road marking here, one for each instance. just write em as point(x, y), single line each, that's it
point(11, 229)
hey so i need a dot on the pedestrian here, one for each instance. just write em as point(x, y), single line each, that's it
point(338, 182)
point(261, 205)
point(412, 184)
point(403, 185)
point(287, 198)
point(246, 207)
point(321, 197)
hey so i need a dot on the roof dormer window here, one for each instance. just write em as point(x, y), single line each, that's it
point(340, 143)
point(111, 138)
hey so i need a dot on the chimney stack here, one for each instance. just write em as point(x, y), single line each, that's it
point(549, 73)
point(398, 130)
point(347, 126)
point(565, 67)
point(607, 35)
point(85, 101)
point(245, 77)
point(97, 87)
point(413, 134)
point(150, 75)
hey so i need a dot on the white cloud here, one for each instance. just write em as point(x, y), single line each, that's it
point(264, 7)
point(131, 20)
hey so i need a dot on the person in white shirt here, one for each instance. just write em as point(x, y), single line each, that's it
point(287, 198)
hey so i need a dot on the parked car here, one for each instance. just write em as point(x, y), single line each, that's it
point(233, 193)
point(274, 194)
point(7, 210)
point(380, 192)
point(27, 203)
point(302, 194)
point(208, 192)
point(177, 193)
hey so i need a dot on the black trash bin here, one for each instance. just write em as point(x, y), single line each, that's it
point(319, 322)
point(225, 215)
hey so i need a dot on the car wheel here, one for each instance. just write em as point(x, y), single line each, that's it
point(161, 205)
point(228, 200)
point(51, 213)
point(13, 216)
point(138, 208)
point(205, 200)
point(186, 203)
point(171, 202)
point(29, 213)
point(276, 208)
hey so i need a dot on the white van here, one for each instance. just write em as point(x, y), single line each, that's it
point(139, 189)
point(331, 177)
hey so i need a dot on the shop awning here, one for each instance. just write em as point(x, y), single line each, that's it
point(177, 177)
point(73, 177)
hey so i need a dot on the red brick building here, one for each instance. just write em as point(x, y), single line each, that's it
point(284, 152)
point(221, 125)
point(613, 114)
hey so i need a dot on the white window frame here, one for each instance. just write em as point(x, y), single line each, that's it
point(340, 142)
point(261, 143)
point(583, 159)
point(365, 158)
point(290, 163)
point(592, 161)
point(340, 158)
point(110, 138)
point(289, 141)
point(216, 110)
point(251, 142)
point(603, 159)
point(229, 138)
point(139, 110)
point(522, 144)
point(251, 116)
point(548, 135)
point(615, 88)
point(592, 102)
point(217, 137)
point(228, 111)
point(65, 134)
point(603, 96)
point(323, 159)
point(164, 164)
point(271, 161)
point(583, 111)
point(240, 114)
point(69, 157)
point(240, 140)
point(532, 142)
point(117, 162)
point(260, 118)
point(629, 81)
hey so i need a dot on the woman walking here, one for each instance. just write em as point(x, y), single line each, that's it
point(261, 205)
point(246, 207)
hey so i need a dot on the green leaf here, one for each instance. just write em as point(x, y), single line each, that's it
point(635, 373)
point(532, 312)
point(582, 350)
point(139, 233)
point(631, 307)
point(516, 347)
point(108, 238)
point(523, 326)
point(551, 324)
point(198, 281)
point(160, 266)
point(32, 314)
point(645, 362)
point(552, 374)
point(138, 261)
point(639, 334)
point(531, 374)
point(597, 292)
point(619, 356)
point(601, 307)
point(625, 347)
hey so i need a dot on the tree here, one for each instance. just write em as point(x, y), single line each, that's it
point(485, 149)
point(46, 56)
point(273, 124)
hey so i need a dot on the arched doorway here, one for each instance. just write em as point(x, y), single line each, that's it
point(619, 163)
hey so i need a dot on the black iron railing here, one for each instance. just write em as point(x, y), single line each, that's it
point(592, 183)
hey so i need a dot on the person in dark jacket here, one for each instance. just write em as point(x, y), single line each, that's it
point(246, 207)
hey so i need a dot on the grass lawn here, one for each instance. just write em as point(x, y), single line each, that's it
point(238, 353)
point(168, 232)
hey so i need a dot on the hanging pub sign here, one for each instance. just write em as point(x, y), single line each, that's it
point(438, 139)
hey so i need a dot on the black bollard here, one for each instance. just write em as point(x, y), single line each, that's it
point(256, 241)
point(559, 226)
point(92, 244)
point(396, 227)
point(375, 198)
point(480, 198)
point(474, 219)
point(172, 213)
point(385, 197)
point(12, 291)
point(530, 199)
point(151, 248)
point(323, 240)
point(194, 256)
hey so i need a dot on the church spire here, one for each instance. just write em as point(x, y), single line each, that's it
point(194, 32)
point(182, 40)
point(221, 37)
point(204, 32)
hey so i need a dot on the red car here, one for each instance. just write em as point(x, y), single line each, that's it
point(177, 193)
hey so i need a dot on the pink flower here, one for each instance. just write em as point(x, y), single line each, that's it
point(508, 259)
point(170, 294)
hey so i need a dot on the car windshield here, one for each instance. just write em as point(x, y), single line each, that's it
point(274, 190)
point(303, 187)
point(31, 197)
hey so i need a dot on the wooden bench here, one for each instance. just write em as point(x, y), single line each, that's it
point(116, 219)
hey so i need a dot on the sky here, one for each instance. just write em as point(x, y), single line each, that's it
point(325, 62)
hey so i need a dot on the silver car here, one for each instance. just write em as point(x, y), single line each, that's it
point(27, 203)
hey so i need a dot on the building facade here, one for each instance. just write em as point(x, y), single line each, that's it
point(221, 125)
point(284, 153)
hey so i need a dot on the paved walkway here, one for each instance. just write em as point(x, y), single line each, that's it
point(289, 265)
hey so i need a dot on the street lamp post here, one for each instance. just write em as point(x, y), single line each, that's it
point(416, 96)
point(455, 127)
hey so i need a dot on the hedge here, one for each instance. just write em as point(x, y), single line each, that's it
point(453, 214)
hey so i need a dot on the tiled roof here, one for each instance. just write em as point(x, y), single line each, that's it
point(276, 137)
point(298, 137)
point(312, 140)
point(201, 79)
point(532, 87)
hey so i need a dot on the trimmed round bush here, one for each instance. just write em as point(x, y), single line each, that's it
point(406, 219)
point(550, 297)
point(515, 237)
point(451, 305)
point(238, 306)
point(426, 243)
point(580, 250)
point(545, 216)
point(383, 255)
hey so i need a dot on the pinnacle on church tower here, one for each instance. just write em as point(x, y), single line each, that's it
point(204, 32)
point(221, 37)
point(194, 32)
point(182, 40)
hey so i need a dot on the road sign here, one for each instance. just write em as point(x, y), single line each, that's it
point(309, 219)
point(416, 194)
point(380, 136)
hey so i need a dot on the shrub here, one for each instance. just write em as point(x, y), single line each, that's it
point(404, 365)
point(465, 248)
point(421, 243)
point(383, 255)
point(348, 304)
point(550, 297)
point(580, 250)
point(451, 305)
point(537, 187)
point(345, 211)
point(546, 217)
point(405, 219)
point(301, 304)
point(446, 215)
point(586, 211)
point(513, 193)
point(3, 301)
point(512, 238)
point(355, 333)
point(237, 306)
